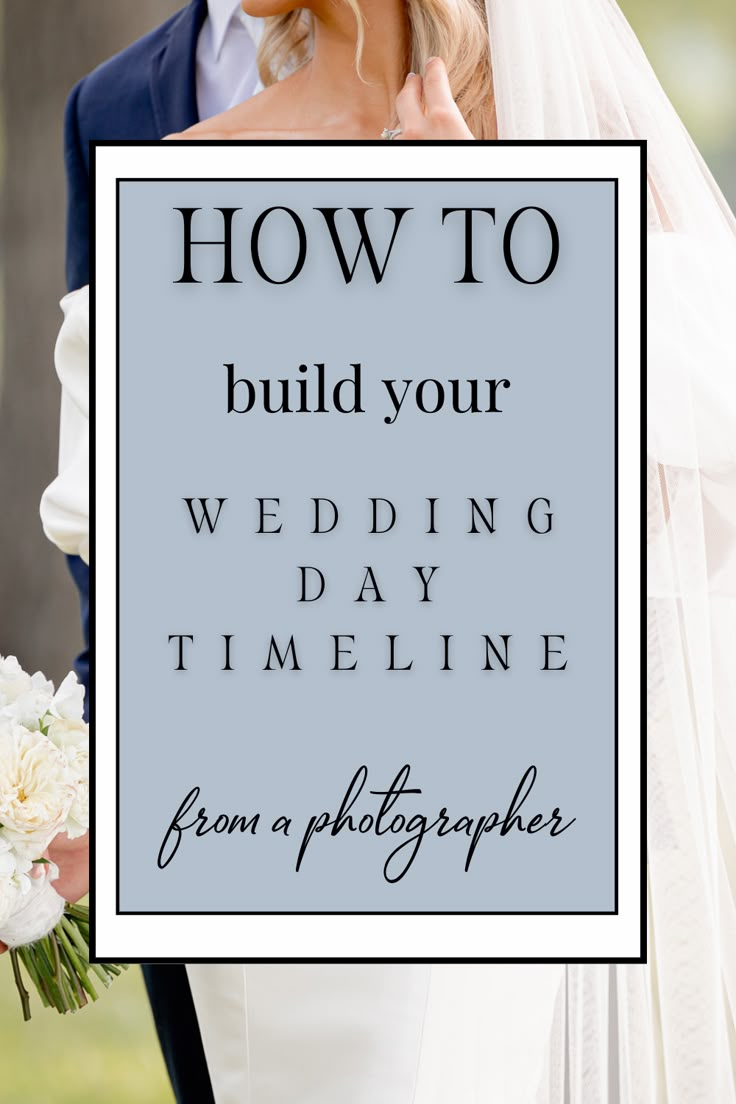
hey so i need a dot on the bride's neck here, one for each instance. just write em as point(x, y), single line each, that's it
point(332, 84)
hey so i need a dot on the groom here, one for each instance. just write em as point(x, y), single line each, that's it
point(197, 64)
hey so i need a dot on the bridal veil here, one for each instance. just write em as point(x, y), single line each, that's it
point(664, 1031)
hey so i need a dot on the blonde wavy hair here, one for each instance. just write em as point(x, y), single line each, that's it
point(455, 30)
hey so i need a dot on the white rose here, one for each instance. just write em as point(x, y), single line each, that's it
point(13, 679)
point(14, 880)
point(13, 865)
point(72, 739)
point(23, 697)
point(36, 786)
point(68, 701)
point(9, 898)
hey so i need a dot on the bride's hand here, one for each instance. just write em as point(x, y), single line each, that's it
point(72, 858)
point(426, 108)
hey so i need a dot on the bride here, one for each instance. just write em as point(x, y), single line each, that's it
point(347, 64)
point(576, 1034)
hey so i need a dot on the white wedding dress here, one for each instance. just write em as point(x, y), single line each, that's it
point(375, 1034)
point(578, 1034)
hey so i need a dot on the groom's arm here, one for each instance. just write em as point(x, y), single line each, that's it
point(77, 274)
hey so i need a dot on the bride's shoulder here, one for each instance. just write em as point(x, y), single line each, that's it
point(260, 116)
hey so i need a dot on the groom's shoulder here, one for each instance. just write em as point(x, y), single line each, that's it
point(122, 79)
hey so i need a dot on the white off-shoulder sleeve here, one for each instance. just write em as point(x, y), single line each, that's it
point(65, 502)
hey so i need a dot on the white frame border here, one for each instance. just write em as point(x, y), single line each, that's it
point(147, 937)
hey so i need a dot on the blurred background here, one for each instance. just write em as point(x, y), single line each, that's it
point(110, 1055)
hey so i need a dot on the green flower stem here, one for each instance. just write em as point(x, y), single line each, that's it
point(26, 958)
point(80, 997)
point(79, 967)
point(60, 978)
point(37, 952)
point(73, 931)
point(99, 970)
point(78, 912)
point(25, 998)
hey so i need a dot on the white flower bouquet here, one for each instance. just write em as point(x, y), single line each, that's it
point(44, 790)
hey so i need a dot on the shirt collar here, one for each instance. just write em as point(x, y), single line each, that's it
point(221, 14)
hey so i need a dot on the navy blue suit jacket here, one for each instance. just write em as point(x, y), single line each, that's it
point(145, 92)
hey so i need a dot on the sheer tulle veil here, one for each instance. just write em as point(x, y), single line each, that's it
point(665, 1031)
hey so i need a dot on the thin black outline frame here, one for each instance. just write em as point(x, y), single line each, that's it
point(380, 912)
point(642, 957)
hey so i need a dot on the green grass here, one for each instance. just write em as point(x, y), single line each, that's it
point(107, 1053)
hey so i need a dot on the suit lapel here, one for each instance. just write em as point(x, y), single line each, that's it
point(173, 72)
